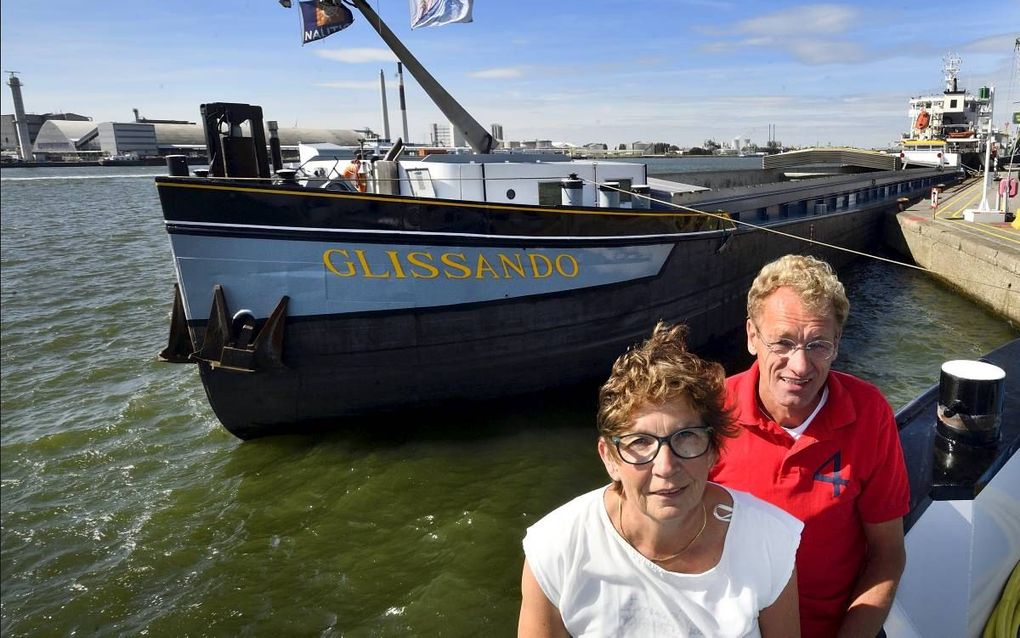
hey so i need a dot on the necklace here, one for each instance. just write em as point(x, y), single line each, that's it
point(704, 522)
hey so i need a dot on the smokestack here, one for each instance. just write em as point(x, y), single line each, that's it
point(403, 107)
point(137, 117)
point(20, 122)
point(385, 111)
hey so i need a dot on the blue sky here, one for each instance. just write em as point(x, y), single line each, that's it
point(678, 71)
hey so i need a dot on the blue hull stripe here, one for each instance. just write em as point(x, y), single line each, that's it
point(339, 277)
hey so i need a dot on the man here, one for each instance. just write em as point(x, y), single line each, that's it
point(822, 445)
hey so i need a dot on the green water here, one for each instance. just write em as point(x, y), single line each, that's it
point(127, 510)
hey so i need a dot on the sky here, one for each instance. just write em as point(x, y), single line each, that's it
point(676, 71)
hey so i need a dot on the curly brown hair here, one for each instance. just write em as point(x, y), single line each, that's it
point(659, 371)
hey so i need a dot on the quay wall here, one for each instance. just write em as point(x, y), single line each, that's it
point(976, 269)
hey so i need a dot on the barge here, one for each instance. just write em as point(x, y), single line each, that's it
point(348, 287)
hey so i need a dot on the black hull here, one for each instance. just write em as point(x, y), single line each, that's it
point(345, 366)
point(336, 363)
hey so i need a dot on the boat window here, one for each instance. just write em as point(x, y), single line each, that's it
point(550, 193)
point(421, 182)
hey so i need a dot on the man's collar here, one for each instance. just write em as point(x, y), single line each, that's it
point(840, 408)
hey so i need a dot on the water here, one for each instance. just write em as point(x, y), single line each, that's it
point(127, 509)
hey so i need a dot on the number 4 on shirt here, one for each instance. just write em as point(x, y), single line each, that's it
point(832, 477)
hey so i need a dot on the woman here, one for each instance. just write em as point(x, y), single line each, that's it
point(661, 551)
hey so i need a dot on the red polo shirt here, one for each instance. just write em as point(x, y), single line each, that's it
point(845, 470)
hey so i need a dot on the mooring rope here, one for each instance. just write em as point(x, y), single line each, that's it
point(792, 236)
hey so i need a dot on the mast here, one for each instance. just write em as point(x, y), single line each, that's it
point(403, 105)
point(385, 111)
point(476, 136)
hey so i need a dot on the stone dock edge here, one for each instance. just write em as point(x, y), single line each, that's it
point(980, 261)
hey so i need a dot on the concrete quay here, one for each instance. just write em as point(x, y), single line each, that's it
point(981, 260)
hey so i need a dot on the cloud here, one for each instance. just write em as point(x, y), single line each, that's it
point(826, 51)
point(491, 74)
point(818, 18)
point(356, 85)
point(357, 56)
point(993, 44)
point(796, 31)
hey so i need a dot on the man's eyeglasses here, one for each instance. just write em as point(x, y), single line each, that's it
point(817, 350)
point(640, 448)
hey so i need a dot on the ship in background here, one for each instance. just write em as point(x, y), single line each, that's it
point(949, 130)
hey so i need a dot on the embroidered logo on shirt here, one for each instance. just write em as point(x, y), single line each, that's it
point(834, 476)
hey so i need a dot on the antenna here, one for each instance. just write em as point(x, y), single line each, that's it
point(950, 67)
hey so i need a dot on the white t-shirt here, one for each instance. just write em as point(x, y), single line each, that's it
point(604, 587)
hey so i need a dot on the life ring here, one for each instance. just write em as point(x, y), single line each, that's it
point(352, 171)
point(922, 120)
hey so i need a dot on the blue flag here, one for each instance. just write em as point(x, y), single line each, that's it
point(320, 19)
point(436, 13)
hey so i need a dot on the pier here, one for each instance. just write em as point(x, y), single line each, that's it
point(980, 260)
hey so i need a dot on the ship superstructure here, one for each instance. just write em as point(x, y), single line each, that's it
point(949, 129)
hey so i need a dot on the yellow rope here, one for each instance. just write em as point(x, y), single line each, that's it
point(1005, 619)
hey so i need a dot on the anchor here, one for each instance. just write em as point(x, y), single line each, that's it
point(222, 349)
point(179, 347)
point(229, 344)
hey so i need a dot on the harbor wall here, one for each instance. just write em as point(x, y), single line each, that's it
point(978, 270)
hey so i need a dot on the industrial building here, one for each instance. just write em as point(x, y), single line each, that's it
point(69, 137)
point(84, 140)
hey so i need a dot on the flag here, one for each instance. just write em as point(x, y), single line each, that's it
point(436, 13)
point(320, 19)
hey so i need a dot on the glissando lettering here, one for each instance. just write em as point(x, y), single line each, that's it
point(424, 264)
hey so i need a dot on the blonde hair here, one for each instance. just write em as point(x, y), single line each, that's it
point(657, 372)
point(812, 279)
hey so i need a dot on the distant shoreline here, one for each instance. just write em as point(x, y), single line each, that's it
point(148, 161)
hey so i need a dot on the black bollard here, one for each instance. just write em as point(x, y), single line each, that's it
point(177, 165)
point(971, 395)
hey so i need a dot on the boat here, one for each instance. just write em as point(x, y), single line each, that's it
point(126, 159)
point(351, 286)
point(962, 534)
point(949, 130)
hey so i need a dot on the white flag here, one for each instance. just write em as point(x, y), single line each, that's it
point(436, 13)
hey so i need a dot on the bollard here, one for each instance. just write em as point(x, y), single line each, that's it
point(609, 195)
point(177, 165)
point(571, 190)
point(971, 395)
